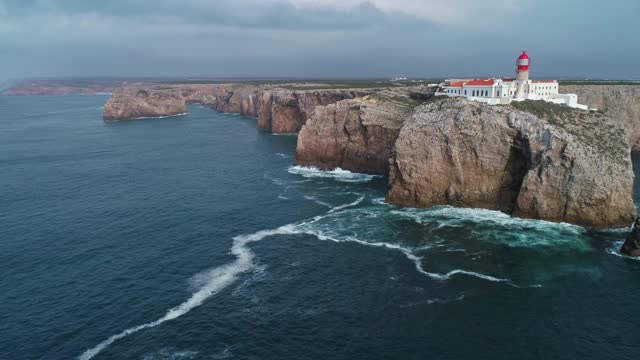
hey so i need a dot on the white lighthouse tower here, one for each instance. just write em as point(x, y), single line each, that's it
point(522, 64)
point(522, 76)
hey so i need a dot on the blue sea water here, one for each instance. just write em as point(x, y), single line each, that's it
point(195, 237)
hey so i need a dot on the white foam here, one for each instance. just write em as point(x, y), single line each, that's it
point(615, 251)
point(171, 355)
point(417, 260)
point(284, 156)
point(484, 215)
point(276, 181)
point(155, 117)
point(380, 201)
point(212, 282)
point(344, 206)
point(337, 174)
point(503, 228)
point(318, 201)
point(435, 301)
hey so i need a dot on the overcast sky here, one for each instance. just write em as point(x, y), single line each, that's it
point(318, 38)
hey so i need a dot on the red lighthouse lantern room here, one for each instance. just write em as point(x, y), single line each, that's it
point(523, 62)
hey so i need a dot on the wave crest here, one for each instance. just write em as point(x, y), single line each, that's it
point(337, 174)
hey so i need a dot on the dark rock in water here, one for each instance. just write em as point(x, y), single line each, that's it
point(631, 247)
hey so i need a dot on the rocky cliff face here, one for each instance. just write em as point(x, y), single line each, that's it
point(619, 102)
point(530, 159)
point(138, 102)
point(277, 109)
point(545, 163)
point(355, 134)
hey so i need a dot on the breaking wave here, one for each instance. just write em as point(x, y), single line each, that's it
point(497, 227)
point(614, 250)
point(160, 117)
point(337, 174)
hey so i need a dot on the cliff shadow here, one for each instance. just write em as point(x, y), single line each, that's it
point(635, 162)
point(518, 165)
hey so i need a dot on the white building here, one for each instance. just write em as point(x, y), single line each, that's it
point(503, 91)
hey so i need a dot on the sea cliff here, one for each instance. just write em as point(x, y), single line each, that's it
point(356, 134)
point(533, 160)
point(279, 110)
point(529, 159)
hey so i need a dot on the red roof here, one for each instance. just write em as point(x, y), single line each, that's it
point(457, 84)
point(523, 56)
point(481, 82)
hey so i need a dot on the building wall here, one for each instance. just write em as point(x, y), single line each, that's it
point(502, 92)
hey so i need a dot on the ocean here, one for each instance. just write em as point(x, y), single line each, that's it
point(196, 237)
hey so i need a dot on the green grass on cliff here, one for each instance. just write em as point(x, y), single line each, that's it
point(542, 109)
point(406, 99)
point(592, 128)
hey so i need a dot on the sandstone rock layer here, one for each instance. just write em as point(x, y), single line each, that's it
point(356, 134)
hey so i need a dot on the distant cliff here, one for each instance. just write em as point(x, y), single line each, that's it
point(60, 87)
point(279, 110)
point(621, 103)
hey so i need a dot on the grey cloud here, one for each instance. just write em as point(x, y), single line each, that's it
point(266, 38)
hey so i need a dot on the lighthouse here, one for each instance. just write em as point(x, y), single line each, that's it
point(522, 75)
point(522, 65)
point(502, 91)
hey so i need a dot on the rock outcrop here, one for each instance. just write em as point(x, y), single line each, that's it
point(355, 134)
point(136, 102)
point(278, 110)
point(631, 247)
point(548, 162)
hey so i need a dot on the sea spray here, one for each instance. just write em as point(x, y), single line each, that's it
point(337, 174)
